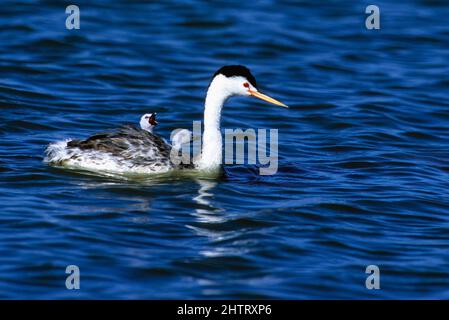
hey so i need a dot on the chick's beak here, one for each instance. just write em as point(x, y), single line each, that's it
point(266, 98)
point(152, 120)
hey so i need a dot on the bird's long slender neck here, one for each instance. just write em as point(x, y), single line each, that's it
point(211, 155)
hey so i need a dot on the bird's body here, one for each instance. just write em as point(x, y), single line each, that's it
point(138, 150)
point(125, 150)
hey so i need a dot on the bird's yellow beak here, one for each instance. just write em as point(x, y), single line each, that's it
point(266, 98)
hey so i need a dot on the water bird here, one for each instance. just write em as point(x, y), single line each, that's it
point(181, 136)
point(137, 150)
point(148, 122)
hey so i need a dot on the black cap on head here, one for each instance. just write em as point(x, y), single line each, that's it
point(235, 71)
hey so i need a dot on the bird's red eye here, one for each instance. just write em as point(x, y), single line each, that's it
point(246, 85)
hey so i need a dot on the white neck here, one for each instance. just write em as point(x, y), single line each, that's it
point(211, 155)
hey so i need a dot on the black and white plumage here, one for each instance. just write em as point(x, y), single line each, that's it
point(138, 150)
point(127, 149)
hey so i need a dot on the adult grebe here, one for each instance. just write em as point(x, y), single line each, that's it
point(134, 150)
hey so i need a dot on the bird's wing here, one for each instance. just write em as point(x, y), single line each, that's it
point(129, 143)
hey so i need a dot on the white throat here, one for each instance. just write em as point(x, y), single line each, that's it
point(217, 94)
point(145, 125)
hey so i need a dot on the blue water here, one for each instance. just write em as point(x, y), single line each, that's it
point(363, 172)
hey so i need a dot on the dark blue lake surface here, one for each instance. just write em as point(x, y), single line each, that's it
point(363, 173)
